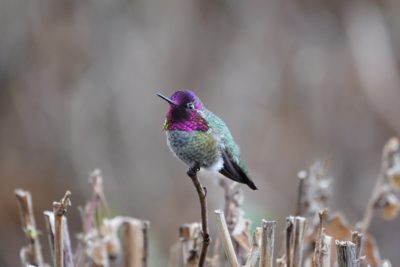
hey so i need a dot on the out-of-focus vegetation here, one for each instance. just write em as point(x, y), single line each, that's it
point(294, 80)
point(315, 237)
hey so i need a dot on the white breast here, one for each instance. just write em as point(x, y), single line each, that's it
point(217, 166)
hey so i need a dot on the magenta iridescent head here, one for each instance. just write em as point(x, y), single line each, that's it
point(183, 99)
point(183, 112)
point(187, 99)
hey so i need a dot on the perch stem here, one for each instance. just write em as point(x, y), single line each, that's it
point(202, 192)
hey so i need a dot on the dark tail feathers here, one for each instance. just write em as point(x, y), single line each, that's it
point(233, 171)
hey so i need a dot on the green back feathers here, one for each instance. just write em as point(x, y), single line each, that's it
point(220, 128)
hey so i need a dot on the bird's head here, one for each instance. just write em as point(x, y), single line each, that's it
point(184, 111)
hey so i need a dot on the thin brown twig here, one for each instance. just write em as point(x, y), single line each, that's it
point(96, 178)
point(202, 192)
point(34, 249)
point(318, 254)
point(59, 209)
point(68, 254)
point(290, 229)
point(92, 212)
point(50, 227)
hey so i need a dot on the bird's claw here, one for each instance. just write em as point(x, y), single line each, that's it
point(193, 170)
point(206, 238)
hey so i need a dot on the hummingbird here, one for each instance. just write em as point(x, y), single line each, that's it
point(200, 138)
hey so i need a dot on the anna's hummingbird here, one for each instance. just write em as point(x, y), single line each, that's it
point(198, 137)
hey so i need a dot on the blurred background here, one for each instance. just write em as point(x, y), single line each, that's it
point(294, 80)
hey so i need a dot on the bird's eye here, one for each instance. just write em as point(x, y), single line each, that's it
point(190, 105)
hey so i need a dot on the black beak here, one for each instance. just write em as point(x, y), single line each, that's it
point(168, 100)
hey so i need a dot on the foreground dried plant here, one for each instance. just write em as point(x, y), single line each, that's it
point(307, 240)
point(105, 240)
point(309, 236)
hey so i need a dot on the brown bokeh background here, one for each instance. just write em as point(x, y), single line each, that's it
point(294, 80)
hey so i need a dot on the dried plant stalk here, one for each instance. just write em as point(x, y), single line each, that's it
point(357, 239)
point(313, 191)
point(295, 227)
point(325, 255)
point(133, 243)
point(280, 262)
point(59, 209)
point(32, 254)
point(267, 243)
point(254, 254)
point(67, 249)
point(319, 255)
point(313, 194)
point(145, 230)
point(92, 206)
point(322, 253)
point(390, 147)
point(226, 239)
point(186, 252)
point(300, 223)
point(58, 242)
point(189, 234)
point(369, 210)
point(238, 226)
point(290, 225)
point(68, 255)
point(346, 254)
point(301, 194)
point(98, 254)
point(49, 220)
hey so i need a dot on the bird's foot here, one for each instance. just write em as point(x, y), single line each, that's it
point(193, 170)
point(206, 238)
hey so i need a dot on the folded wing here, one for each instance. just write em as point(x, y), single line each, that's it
point(233, 171)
